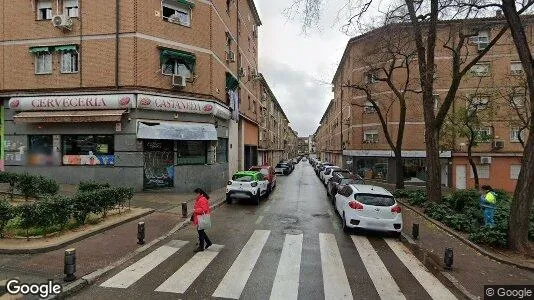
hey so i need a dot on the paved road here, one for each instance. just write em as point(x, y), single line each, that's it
point(289, 247)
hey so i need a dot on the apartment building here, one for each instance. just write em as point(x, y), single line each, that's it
point(303, 146)
point(274, 128)
point(151, 94)
point(351, 133)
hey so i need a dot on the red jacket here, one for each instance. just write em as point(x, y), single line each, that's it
point(202, 206)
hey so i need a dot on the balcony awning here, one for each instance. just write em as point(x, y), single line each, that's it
point(189, 59)
point(187, 3)
point(79, 116)
point(177, 131)
point(39, 49)
point(66, 48)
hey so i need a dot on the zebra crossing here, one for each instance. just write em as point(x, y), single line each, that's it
point(287, 279)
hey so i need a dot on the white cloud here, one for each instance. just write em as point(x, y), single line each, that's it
point(299, 67)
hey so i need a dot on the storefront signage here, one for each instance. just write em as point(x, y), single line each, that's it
point(91, 160)
point(388, 153)
point(80, 102)
point(182, 105)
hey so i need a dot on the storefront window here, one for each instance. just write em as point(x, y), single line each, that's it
point(40, 148)
point(191, 152)
point(371, 167)
point(88, 150)
point(414, 170)
point(222, 150)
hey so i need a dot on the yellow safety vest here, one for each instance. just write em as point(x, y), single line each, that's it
point(490, 198)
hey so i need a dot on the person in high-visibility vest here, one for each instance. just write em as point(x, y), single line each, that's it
point(488, 199)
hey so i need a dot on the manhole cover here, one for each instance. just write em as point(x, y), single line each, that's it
point(292, 231)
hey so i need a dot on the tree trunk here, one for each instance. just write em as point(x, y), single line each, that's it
point(399, 170)
point(472, 163)
point(521, 206)
point(433, 172)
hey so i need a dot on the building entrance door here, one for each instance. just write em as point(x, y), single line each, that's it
point(461, 177)
point(158, 169)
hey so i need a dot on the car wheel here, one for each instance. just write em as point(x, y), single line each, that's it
point(344, 226)
point(228, 200)
point(285, 173)
point(396, 234)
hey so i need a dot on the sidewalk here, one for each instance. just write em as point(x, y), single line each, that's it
point(104, 249)
point(471, 269)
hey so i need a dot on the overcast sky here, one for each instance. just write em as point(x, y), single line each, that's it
point(299, 67)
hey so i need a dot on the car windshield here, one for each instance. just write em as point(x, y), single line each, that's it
point(351, 181)
point(281, 166)
point(243, 178)
point(342, 173)
point(375, 200)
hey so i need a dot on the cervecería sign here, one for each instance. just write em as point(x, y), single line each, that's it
point(84, 102)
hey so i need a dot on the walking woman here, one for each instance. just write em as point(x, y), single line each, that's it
point(202, 206)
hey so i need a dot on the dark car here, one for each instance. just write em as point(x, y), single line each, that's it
point(290, 163)
point(282, 168)
point(341, 179)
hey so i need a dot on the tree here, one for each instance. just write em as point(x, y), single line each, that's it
point(389, 60)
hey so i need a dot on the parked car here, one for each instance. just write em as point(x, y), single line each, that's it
point(328, 170)
point(321, 167)
point(246, 184)
point(338, 180)
point(290, 163)
point(268, 173)
point(368, 207)
point(283, 168)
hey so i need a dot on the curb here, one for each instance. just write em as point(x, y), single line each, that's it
point(466, 241)
point(431, 261)
point(74, 240)
point(90, 278)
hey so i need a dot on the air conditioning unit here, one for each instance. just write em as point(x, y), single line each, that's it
point(516, 72)
point(230, 56)
point(242, 72)
point(62, 22)
point(485, 160)
point(178, 81)
point(497, 145)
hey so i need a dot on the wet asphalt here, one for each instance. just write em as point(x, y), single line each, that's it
point(297, 205)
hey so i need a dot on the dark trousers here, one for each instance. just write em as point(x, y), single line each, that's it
point(202, 236)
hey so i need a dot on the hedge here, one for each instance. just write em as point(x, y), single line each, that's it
point(461, 211)
point(30, 186)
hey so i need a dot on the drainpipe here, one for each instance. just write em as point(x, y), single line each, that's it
point(117, 24)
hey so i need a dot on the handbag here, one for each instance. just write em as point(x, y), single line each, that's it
point(204, 222)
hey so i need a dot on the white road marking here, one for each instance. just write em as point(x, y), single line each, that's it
point(336, 283)
point(182, 279)
point(385, 285)
point(258, 221)
point(237, 276)
point(140, 268)
point(431, 284)
point(286, 282)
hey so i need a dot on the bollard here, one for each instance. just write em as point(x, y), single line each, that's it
point(70, 265)
point(415, 231)
point(141, 233)
point(448, 258)
point(184, 209)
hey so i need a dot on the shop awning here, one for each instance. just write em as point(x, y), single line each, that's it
point(66, 48)
point(39, 49)
point(185, 2)
point(177, 131)
point(84, 116)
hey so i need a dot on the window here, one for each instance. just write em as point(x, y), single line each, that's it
point(43, 63)
point(371, 77)
point(375, 200)
point(370, 136)
point(176, 12)
point(228, 42)
point(70, 8)
point(516, 68)
point(515, 133)
point(479, 102)
point(222, 150)
point(481, 69)
point(40, 149)
point(481, 39)
point(483, 135)
point(518, 101)
point(368, 108)
point(44, 10)
point(483, 171)
point(191, 152)
point(175, 67)
point(69, 62)
point(88, 145)
point(514, 171)
point(436, 102)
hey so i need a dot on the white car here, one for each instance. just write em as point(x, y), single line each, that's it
point(368, 207)
point(247, 184)
point(327, 173)
point(322, 172)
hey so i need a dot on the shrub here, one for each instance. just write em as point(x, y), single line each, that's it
point(11, 179)
point(28, 215)
point(46, 186)
point(82, 205)
point(401, 193)
point(28, 185)
point(91, 186)
point(7, 212)
point(59, 209)
point(417, 197)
